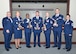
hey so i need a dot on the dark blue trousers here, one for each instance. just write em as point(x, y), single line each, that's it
point(36, 34)
point(27, 38)
point(47, 37)
point(57, 38)
point(68, 41)
point(7, 39)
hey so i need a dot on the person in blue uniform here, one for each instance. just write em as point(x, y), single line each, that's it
point(17, 23)
point(68, 32)
point(47, 29)
point(37, 23)
point(7, 30)
point(57, 27)
point(27, 28)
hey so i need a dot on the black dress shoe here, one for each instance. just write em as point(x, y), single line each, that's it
point(68, 49)
point(58, 48)
point(39, 45)
point(34, 45)
point(47, 47)
point(54, 46)
point(7, 49)
point(28, 46)
point(10, 47)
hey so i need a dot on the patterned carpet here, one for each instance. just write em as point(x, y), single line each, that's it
point(36, 50)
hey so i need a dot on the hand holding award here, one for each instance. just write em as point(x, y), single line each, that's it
point(29, 25)
point(19, 25)
point(44, 27)
point(55, 23)
point(37, 27)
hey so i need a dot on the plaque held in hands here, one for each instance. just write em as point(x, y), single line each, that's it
point(29, 25)
point(55, 23)
point(37, 26)
point(19, 25)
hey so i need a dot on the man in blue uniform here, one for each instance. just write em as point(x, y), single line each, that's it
point(68, 31)
point(37, 23)
point(57, 28)
point(27, 27)
point(7, 30)
point(47, 29)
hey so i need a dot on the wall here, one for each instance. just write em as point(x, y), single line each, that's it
point(73, 11)
point(32, 7)
point(4, 7)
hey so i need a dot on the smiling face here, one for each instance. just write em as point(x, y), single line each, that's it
point(47, 14)
point(8, 14)
point(27, 15)
point(37, 13)
point(68, 17)
point(17, 13)
point(57, 11)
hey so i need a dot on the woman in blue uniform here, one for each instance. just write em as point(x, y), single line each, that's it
point(47, 29)
point(17, 23)
point(68, 31)
point(27, 28)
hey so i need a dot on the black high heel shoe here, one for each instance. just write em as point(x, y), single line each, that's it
point(16, 48)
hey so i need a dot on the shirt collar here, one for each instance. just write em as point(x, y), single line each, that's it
point(57, 15)
point(37, 17)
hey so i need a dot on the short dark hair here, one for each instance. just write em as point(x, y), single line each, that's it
point(27, 14)
point(58, 8)
point(68, 15)
point(37, 11)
